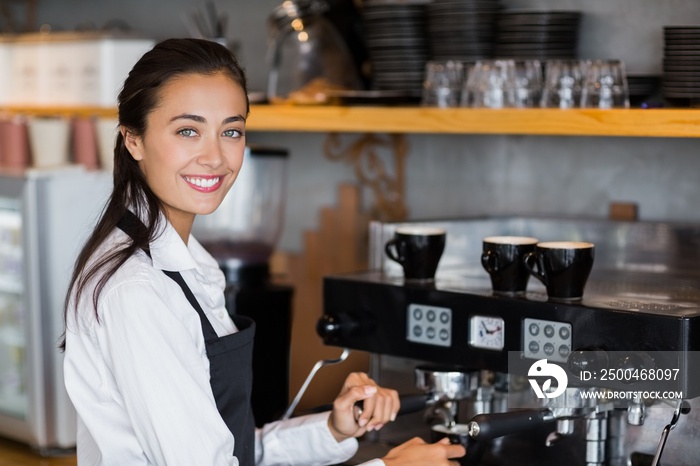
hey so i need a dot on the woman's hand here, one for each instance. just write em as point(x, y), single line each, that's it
point(416, 452)
point(380, 405)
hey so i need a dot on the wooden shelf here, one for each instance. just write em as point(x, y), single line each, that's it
point(535, 121)
point(60, 111)
point(675, 123)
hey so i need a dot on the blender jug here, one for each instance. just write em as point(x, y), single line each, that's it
point(306, 53)
point(242, 233)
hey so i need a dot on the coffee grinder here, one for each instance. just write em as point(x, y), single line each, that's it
point(242, 234)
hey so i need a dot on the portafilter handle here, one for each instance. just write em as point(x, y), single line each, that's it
point(409, 404)
point(483, 427)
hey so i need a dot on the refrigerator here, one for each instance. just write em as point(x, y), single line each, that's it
point(45, 217)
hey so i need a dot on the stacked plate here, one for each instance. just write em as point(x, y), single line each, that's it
point(681, 77)
point(540, 35)
point(643, 89)
point(395, 36)
point(462, 30)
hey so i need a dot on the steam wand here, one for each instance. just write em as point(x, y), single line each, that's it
point(305, 385)
point(682, 407)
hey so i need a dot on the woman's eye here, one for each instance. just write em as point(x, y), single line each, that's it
point(187, 132)
point(233, 133)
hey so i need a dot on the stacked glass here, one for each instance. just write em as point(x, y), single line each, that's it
point(508, 83)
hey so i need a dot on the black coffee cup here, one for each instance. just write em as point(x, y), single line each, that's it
point(563, 267)
point(502, 258)
point(418, 249)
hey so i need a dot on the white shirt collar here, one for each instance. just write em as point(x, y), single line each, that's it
point(169, 252)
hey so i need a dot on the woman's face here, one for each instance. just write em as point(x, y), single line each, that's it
point(192, 149)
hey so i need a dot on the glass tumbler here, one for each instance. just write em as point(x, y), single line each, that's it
point(490, 84)
point(528, 84)
point(443, 83)
point(605, 85)
point(563, 83)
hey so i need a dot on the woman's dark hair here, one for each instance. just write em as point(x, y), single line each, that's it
point(139, 96)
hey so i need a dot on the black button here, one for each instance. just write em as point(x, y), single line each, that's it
point(548, 349)
point(563, 351)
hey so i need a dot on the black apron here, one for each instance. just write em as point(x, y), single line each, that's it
point(230, 365)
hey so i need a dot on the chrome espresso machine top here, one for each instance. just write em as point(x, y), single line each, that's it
point(643, 295)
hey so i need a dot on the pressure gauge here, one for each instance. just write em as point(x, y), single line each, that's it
point(487, 332)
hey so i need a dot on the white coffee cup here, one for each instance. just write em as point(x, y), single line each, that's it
point(49, 140)
point(107, 129)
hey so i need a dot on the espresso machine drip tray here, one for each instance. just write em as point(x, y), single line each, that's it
point(643, 295)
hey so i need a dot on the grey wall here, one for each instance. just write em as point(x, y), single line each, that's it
point(160, 19)
point(472, 175)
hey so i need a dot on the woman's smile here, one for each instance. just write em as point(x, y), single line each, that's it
point(204, 183)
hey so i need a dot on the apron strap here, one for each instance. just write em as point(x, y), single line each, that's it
point(129, 223)
point(207, 329)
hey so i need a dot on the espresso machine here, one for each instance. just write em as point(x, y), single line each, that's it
point(472, 352)
point(241, 235)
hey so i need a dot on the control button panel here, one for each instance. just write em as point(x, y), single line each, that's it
point(546, 339)
point(429, 325)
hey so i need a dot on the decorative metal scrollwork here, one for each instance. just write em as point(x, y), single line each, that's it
point(373, 170)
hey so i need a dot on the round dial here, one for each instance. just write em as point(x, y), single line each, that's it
point(486, 332)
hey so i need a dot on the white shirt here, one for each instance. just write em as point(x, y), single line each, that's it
point(139, 377)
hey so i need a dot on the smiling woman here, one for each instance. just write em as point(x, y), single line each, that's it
point(157, 369)
point(182, 114)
